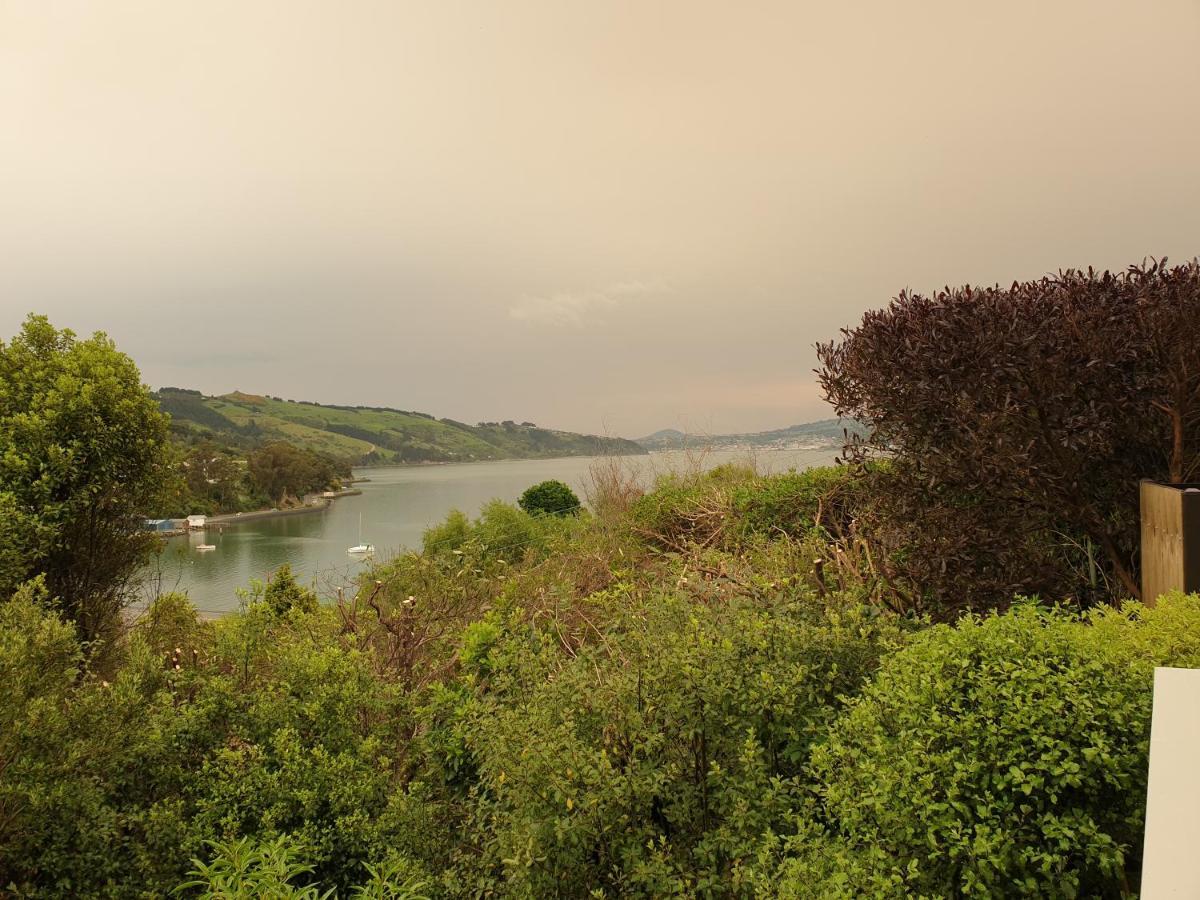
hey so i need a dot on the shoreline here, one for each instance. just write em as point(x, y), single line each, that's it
point(470, 462)
point(317, 503)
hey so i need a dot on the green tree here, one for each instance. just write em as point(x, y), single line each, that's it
point(279, 470)
point(552, 498)
point(83, 457)
point(284, 593)
point(213, 478)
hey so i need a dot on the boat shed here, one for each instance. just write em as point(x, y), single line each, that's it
point(159, 525)
point(195, 521)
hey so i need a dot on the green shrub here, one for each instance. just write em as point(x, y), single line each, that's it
point(297, 740)
point(502, 533)
point(730, 505)
point(76, 753)
point(1001, 757)
point(793, 502)
point(246, 870)
point(40, 659)
point(395, 879)
point(479, 638)
point(449, 536)
point(653, 764)
point(107, 787)
point(549, 498)
point(284, 593)
point(171, 622)
point(688, 508)
point(507, 533)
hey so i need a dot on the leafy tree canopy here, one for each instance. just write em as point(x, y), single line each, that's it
point(83, 457)
point(279, 470)
point(549, 498)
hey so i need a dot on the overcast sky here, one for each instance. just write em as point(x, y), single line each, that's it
point(601, 216)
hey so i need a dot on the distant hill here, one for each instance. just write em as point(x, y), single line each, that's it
point(825, 433)
point(371, 435)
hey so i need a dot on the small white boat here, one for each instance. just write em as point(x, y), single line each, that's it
point(204, 547)
point(361, 549)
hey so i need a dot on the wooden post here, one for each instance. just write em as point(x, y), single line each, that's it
point(1170, 539)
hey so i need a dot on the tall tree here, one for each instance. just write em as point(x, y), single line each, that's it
point(83, 457)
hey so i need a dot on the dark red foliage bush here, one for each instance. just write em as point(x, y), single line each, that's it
point(1019, 421)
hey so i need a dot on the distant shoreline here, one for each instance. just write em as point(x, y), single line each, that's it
point(470, 462)
point(316, 504)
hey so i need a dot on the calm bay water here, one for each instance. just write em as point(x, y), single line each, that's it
point(396, 505)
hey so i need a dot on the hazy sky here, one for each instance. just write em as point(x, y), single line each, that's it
point(601, 216)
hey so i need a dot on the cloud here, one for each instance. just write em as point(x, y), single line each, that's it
point(574, 308)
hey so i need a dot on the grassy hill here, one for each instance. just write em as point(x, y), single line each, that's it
point(372, 435)
point(824, 432)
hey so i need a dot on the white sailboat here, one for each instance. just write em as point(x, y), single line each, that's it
point(361, 549)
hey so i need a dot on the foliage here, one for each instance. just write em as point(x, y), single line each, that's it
point(502, 532)
point(171, 624)
point(395, 879)
point(449, 536)
point(1003, 757)
point(653, 764)
point(83, 456)
point(793, 503)
point(245, 870)
point(505, 532)
point(66, 745)
point(1028, 410)
point(280, 470)
point(283, 593)
point(214, 477)
point(647, 702)
point(269, 728)
point(731, 506)
point(551, 498)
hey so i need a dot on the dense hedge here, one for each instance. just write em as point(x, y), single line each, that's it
point(1032, 408)
point(1002, 757)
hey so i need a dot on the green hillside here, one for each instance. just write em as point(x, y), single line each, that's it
point(372, 435)
point(825, 432)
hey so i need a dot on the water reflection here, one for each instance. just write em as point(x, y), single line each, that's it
point(396, 505)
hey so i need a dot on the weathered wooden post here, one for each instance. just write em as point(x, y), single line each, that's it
point(1170, 539)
